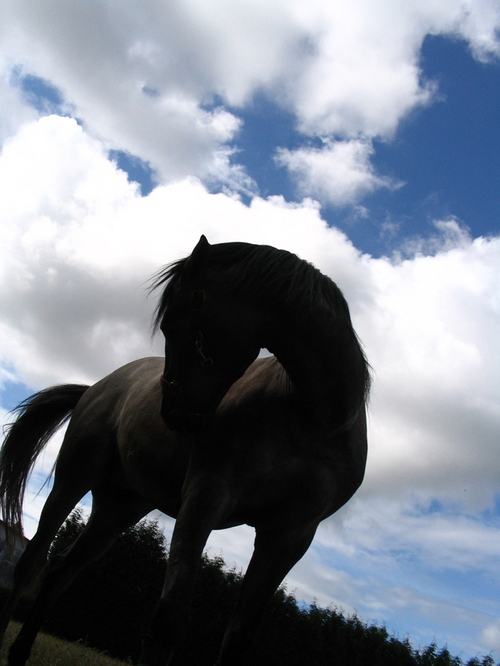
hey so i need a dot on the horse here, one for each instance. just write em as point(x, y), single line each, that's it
point(214, 435)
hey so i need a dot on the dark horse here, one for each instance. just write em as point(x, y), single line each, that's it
point(208, 435)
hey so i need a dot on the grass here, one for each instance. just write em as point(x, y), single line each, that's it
point(51, 651)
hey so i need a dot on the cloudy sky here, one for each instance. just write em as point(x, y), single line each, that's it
point(363, 136)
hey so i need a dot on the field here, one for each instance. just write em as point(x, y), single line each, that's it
point(50, 651)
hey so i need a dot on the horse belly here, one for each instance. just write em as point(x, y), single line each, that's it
point(154, 461)
point(270, 477)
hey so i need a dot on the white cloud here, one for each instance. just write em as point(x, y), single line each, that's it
point(392, 533)
point(431, 337)
point(491, 635)
point(338, 173)
point(80, 241)
point(387, 560)
point(363, 76)
point(144, 80)
point(94, 56)
point(450, 235)
point(141, 80)
point(478, 24)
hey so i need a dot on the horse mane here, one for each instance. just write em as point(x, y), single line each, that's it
point(264, 274)
point(258, 272)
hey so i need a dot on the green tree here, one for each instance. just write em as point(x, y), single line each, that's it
point(109, 604)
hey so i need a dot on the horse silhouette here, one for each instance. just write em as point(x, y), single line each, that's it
point(210, 435)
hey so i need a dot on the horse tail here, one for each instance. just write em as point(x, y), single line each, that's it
point(38, 418)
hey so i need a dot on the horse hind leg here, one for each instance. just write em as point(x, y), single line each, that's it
point(275, 553)
point(62, 499)
point(112, 513)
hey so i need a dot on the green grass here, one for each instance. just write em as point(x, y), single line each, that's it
point(50, 651)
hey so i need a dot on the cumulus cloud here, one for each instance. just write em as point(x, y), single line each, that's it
point(144, 82)
point(435, 356)
point(123, 102)
point(149, 82)
point(363, 76)
point(338, 173)
point(46, 264)
point(80, 242)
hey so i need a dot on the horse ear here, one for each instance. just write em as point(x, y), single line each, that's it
point(196, 264)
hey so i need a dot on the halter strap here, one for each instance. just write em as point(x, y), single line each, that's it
point(198, 302)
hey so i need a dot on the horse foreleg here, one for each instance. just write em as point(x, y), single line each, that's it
point(110, 516)
point(275, 553)
point(199, 514)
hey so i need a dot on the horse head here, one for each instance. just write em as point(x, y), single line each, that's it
point(209, 342)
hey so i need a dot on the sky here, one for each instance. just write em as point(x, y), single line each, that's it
point(363, 136)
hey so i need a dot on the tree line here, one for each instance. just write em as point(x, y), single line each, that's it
point(109, 605)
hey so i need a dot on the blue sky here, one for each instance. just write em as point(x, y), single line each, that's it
point(366, 140)
point(446, 154)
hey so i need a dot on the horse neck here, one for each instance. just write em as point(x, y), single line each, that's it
point(326, 367)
